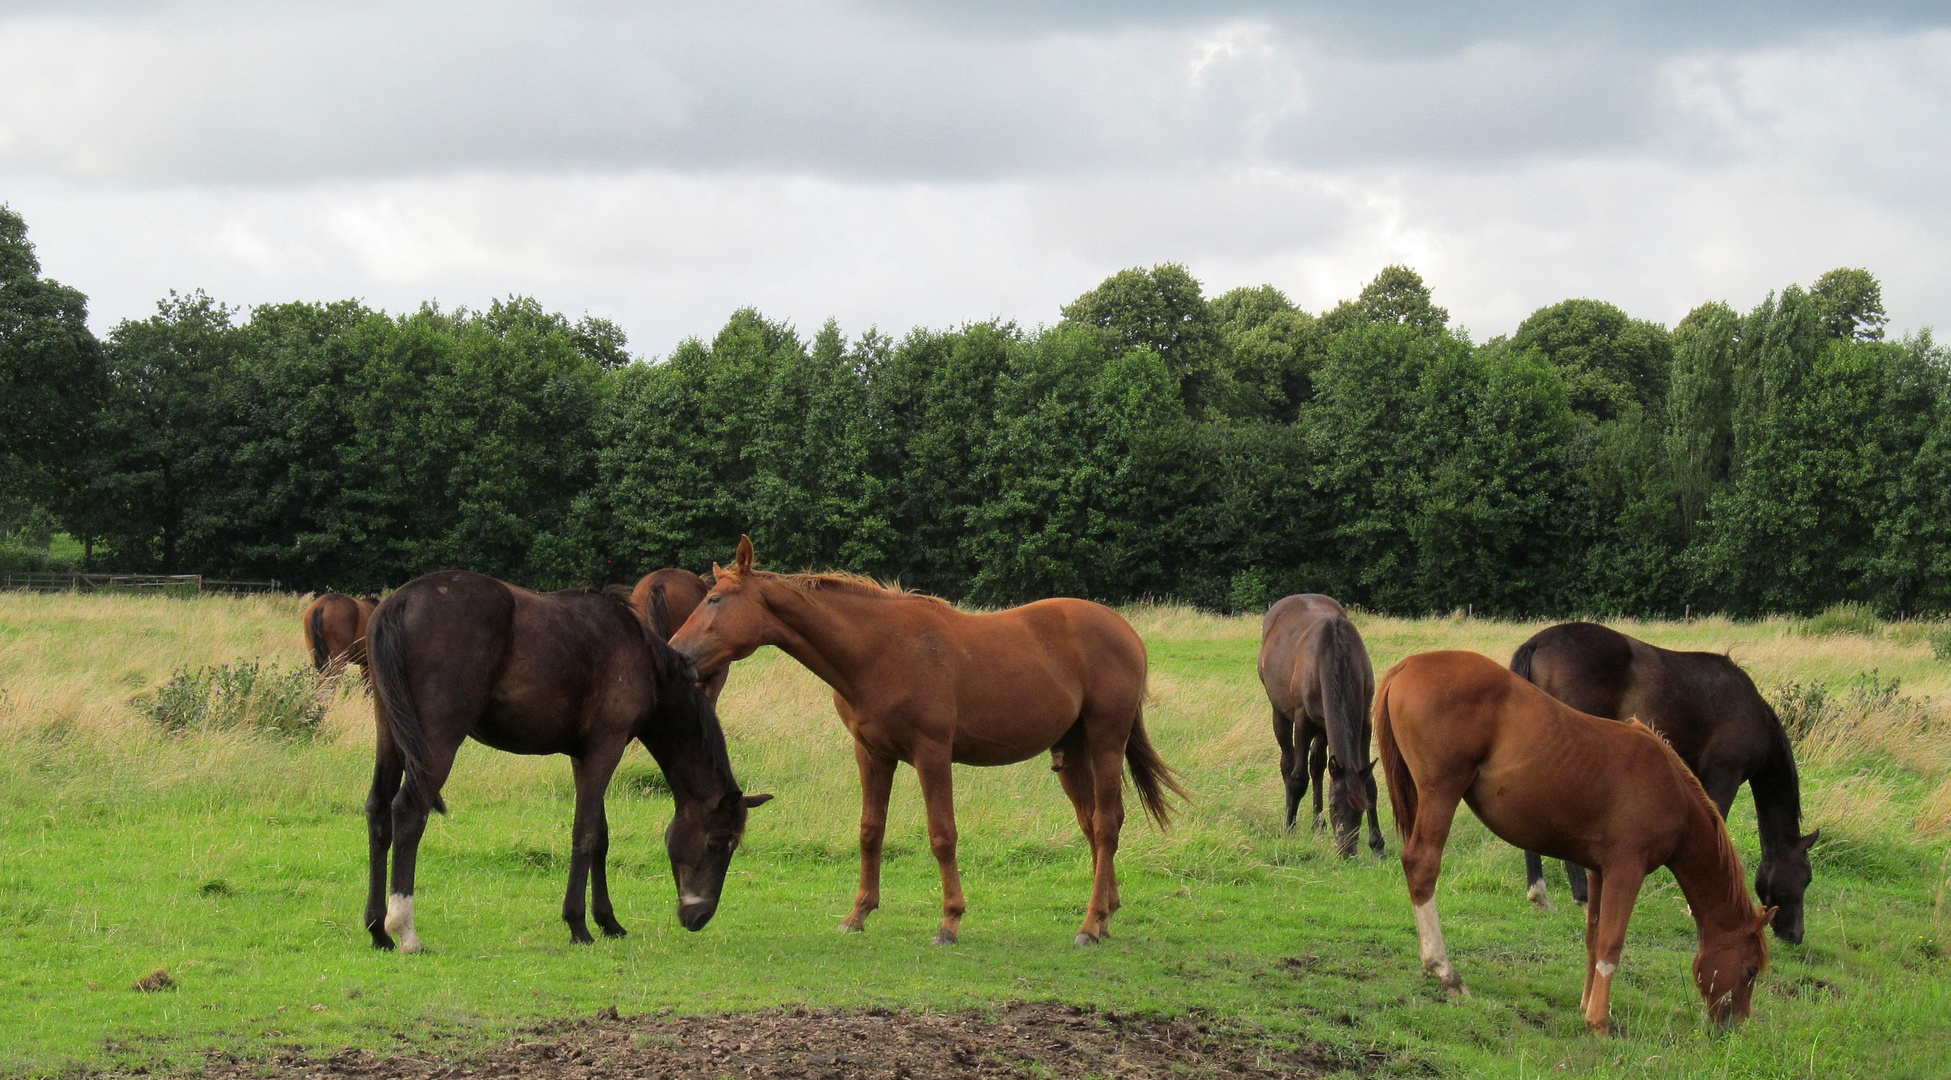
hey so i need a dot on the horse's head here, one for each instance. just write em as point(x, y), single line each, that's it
point(1781, 881)
point(732, 621)
point(1347, 799)
point(1726, 967)
point(701, 838)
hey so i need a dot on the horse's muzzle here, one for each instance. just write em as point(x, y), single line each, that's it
point(696, 914)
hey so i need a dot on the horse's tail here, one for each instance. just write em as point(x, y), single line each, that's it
point(315, 633)
point(1521, 660)
point(1343, 700)
point(1150, 772)
point(1402, 786)
point(386, 649)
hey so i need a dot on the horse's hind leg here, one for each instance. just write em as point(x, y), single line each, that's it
point(937, 774)
point(411, 805)
point(1422, 861)
point(876, 784)
point(1292, 775)
point(387, 769)
point(1575, 878)
point(590, 843)
point(1107, 822)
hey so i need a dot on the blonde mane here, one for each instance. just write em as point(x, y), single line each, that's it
point(852, 585)
point(1729, 858)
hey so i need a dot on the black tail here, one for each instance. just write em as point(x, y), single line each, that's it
point(321, 655)
point(386, 648)
point(1344, 698)
point(1151, 774)
point(1521, 660)
point(1402, 786)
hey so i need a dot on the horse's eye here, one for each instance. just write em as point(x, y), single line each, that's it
point(1752, 972)
point(713, 599)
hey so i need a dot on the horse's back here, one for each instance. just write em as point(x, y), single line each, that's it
point(675, 590)
point(1300, 636)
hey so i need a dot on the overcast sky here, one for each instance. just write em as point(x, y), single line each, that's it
point(894, 164)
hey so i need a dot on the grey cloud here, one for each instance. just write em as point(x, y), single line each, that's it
point(244, 93)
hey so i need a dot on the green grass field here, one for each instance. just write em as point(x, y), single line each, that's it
point(237, 862)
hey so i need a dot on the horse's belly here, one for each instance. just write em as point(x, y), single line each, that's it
point(1524, 818)
point(503, 733)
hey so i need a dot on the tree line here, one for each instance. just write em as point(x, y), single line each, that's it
point(1155, 442)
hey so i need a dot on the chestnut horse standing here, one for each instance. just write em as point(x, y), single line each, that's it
point(917, 681)
point(458, 655)
point(667, 597)
point(1708, 709)
point(1319, 681)
point(1612, 797)
point(335, 631)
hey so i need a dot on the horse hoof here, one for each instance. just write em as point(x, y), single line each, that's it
point(383, 943)
point(615, 931)
point(944, 937)
point(850, 927)
point(1085, 939)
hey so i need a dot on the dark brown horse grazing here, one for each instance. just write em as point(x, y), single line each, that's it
point(335, 631)
point(667, 597)
point(1710, 712)
point(456, 654)
point(1454, 726)
point(1318, 679)
point(917, 681)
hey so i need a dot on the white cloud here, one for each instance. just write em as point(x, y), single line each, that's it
point(907, 165)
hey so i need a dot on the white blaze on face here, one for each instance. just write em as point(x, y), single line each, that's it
point(399, 922)
point(688, 899)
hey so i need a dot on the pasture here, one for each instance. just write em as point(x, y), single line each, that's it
point(236, 861)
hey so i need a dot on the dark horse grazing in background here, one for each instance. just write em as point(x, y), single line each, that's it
point(1318, 678)
point(1455, 727)
point(456, 654)
point(667, 597)
point(1710, 712)
point(335, 631)
point(917, 681)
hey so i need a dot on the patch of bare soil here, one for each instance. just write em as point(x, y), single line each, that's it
point(1042, 1041)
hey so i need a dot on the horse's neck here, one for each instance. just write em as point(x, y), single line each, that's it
point(827, 632)
point(688, 744)
point(1778, 796)
point(1710, 874)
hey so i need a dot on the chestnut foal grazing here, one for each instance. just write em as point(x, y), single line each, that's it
point(1612, 797)
point(917, 681)
point(335, 631)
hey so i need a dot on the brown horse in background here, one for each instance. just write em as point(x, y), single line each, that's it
point(917, 681)
point(458, 655)
point(1319, 681)
point(1709, 711)
point(335, 631)
point(667, 597)
point(1454, 726)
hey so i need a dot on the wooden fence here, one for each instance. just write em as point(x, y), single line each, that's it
point(167, 584)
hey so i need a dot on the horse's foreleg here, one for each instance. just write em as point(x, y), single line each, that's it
point(876, 784)
point(1591, 938)
point(1617, 892)
point(379, 834)
point(1534, 881)
point(590, 846)
point(1374, 823)
point(1422, 862)
point(1317, 765)
point(1292, 776)
point(938, 794)
point(1575, 879)
point(1107, 822)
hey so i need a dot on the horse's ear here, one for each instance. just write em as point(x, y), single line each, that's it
point(1369, 769)
point(1762, 923)
point(743, 561)
point(756, 800)
point(1809, 841)
point(717, 571)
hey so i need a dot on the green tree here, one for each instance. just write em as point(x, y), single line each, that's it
point(51, 376)
point(1610, 362)
point(1162, 309)
point(1398, 295)
point(1269, 351)
point(1850, 304)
